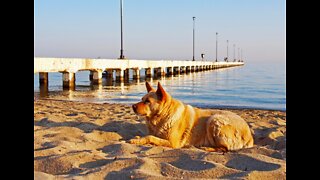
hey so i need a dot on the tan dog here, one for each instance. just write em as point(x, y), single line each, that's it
point(174, 124)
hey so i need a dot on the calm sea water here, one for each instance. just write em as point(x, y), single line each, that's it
point(254, 85)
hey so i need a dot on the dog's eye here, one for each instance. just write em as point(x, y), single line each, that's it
point(147, 101)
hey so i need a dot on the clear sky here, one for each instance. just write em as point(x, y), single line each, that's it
point(160, 29)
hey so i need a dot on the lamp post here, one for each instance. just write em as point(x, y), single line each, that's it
point(241, 56)
point(227, 50)
point(234, 52)
point(238, 54)
point(121, 14)
point(193, 18)
point(216, 46)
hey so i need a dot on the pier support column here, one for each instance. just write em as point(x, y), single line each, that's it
point(69, 79)
point(44, 81)
point(183, 69)
point(192, 68)
point(136, 74)
point(110, 74)
point(44, 90)
point(91, 76)
point(176, 70)
point(149, 72)
point(170, 70)
point(162, 71)
point(119, 75)
point(97, 77)
point(156, 72)
point(188, 69)
point(43, 78)
point(159, 71)
point(126, 75)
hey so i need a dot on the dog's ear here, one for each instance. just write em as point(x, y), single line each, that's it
point(161, 93)
point(149, 88)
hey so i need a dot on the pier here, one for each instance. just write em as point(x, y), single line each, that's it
point(118, 69)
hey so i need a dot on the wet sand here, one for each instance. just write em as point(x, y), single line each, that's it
point(75, 140)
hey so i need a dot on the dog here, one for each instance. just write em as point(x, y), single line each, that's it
point(174, 124)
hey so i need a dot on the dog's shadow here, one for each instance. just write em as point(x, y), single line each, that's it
point(125, 129)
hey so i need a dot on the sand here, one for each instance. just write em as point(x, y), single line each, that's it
point(76, 140)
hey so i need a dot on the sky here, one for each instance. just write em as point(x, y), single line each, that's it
point(160, 29)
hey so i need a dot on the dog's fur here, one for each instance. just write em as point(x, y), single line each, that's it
point(174, 124)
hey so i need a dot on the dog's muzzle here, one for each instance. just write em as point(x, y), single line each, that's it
point(134, 107)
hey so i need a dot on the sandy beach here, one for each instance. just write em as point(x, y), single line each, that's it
point(76, 140)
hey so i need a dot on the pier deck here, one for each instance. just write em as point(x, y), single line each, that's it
point(69, 66)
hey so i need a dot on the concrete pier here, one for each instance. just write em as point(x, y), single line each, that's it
point(188, 69)
point(126, 74)
point(109, 73)
point(119, 75)
point(91, 76)
point(176, 70)
point(97, 77)
point(160, 71)
point(183, 69)
point(170, 71)
point(69, 80)
point(136, 73)
point(69, 66)
point(44, 86)
point(148, 72)
point(43, 78)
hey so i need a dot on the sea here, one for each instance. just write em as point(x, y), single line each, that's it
point(256, 85)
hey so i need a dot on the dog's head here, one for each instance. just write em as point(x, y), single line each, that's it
point(153, 102)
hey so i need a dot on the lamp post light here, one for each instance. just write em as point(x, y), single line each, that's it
point(193, 18)
point(121, 14)
point(216, 46)
point(202, 56)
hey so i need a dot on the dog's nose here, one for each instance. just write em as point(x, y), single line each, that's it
point(134, 107)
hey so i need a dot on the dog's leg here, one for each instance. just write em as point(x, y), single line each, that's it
point(150, 140)
point(211, 149)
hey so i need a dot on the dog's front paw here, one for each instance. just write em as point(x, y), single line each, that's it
point(137, 140)
point(211, 149)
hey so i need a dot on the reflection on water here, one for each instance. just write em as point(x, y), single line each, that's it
point(249, 86)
